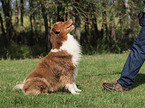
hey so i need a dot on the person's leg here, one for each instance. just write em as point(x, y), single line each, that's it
point(134, 61)
point(132, 65)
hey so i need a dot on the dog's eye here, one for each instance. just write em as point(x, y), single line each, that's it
point(57, 32)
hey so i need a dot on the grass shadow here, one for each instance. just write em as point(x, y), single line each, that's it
point(139, 80)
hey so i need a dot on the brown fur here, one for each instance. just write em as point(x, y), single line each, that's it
point(56, 69)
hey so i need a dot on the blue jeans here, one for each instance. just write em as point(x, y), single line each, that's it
point(134, 61)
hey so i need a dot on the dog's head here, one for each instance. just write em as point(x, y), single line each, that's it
point(59, 33)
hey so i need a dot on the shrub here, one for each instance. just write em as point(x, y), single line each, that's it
point(19, 51)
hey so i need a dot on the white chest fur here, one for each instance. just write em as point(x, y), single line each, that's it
point(72, 46)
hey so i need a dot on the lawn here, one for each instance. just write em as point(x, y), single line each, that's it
point(93, 71)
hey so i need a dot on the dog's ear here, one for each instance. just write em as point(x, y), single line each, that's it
point(56, 28)
point(55, 31)
point(52, 33)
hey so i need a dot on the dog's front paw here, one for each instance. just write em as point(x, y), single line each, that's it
point(78, 90)
point(75, 87)
point(70, 87)
point(75, 93)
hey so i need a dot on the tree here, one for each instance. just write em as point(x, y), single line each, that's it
point(47, 34)
point(2, 26)
point(31, 22)
point(94, 25)
point(22, 13)
point(77, 21)
point(8, 18)
point(129, 30)
point(112, 21)
point(78, 26)
point(16, 13)
point(60, 11)
point(104, 28)
point(128, 13)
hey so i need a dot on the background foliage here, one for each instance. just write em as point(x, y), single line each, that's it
point(101, 25)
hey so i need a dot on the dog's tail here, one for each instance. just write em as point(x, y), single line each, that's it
point(19, 86)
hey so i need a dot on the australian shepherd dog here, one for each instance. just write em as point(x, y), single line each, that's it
point(58, 69)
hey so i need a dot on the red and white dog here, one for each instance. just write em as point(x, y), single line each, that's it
point(59, 68)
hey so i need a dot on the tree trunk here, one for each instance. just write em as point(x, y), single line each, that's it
point(121, 14)
point(9, 27)
point(113, 31)
point(2, 26)
point(84, 39)
point(16, 13)
point(128, 13)
point(60, 12)
point(47, 34)
point(112, 20)
point(78, 27)
point(104, 23)
point(22, 14)
point(129, 20)
point(95, 31)
point(31, 23)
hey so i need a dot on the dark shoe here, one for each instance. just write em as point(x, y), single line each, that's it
point(114, 87)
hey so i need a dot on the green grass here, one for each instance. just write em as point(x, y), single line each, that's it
point(93, 71)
